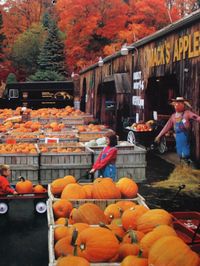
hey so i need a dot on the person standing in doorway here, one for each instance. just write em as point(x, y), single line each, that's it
point(180, 121)
point(105, 163)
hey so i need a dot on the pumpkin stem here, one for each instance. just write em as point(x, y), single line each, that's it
point(140, 254)
point(66, 222)
point(133, 236)
point(75, 250)
point(101, 224)
point(119, 238)
point(21, 178)
point(74, 237)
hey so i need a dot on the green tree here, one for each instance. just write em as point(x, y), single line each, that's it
point(45, 75)
point(26, 49)
point(2, 37)
point(52, 57)
point(11, 78)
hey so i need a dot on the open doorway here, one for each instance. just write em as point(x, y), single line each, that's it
point(159, 92)
point(83, 97)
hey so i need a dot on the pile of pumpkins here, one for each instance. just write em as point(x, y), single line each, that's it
point(25, 186)
point(123, 232)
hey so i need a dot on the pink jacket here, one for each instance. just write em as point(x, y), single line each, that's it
point(187, 116)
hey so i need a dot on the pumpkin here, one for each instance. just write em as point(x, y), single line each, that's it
point(73, 191)
point(128, 187)
point(88, 213)
point(72, 261)
point(24, 186)
point(126, 249)
point(79, 227)
point(97, 244)
point(105, 188)
point(117, 230)
point(62, 221)
point(70, 179)
point(172, 251)
point(136, 261)
point(152, 218)
point(130, 216)
point(58, 185)
point(88, 190)
point(112, 211)
point(125, 204)
point(150, 238)
point(63, 246)
point(39, 189)
point(62, 208)
point(132, 236)
point(61, 231)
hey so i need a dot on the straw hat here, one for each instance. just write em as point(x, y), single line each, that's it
point(181, 99)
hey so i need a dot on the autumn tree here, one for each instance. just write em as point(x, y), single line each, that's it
point(51, 57)
point(2, 37)
point(26, 49)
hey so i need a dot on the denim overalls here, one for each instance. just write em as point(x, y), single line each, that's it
point(182, 139)
point(109, 170)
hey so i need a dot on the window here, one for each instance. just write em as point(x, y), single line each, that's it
point(13, 93)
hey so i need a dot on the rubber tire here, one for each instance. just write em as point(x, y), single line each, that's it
point(40, 207)
point(131, 137)
point(3, 208)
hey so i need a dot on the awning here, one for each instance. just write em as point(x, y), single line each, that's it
point(121, 80)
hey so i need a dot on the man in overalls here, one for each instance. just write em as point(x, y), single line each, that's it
point(105, 163)
point(180, 121)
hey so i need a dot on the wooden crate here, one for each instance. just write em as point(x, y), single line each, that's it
point(73, 120)
point(102, 203)
point(90, 135)
point(54, 165)
point(28, 172)
point(52, 259)
point(131, 161)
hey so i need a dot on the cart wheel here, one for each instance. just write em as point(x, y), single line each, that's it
point(131, 137)
point(3, 208)
point(162, 146)
point(41, 207)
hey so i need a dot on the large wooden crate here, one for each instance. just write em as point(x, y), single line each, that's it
point(102, 203)
point(52, 258)
point(26, 165)
point(73, 120)
point(131, 161)
point(76, 162)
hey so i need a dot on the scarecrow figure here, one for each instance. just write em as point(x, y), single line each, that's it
point(180, 121)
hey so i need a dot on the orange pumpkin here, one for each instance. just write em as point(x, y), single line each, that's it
point(171, 250)
point(72, 261)
point(126, 249)
point(135, 260)
point(130, 216)
point(24, 186)
point(62, 221)
point(133, 236)
point(152, 218)
point(79, 227)
point(58, 185)
point(150, 238)
point(61, 231)
point(73, 191)
point(88, 213)
point(117, 230)
point(88, 191)
point(112, 211)
point(128, 187)
point(97, 244)
point(39, 189)
point(62, 208)
point(63, 246)
point(105, 188)
point(125, 204)
point(70, 179)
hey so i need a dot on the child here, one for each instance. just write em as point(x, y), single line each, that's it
point(5, 187)
point(105, 163)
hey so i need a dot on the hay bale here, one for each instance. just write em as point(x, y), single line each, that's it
point(182, 174)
